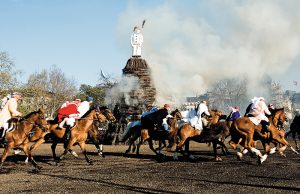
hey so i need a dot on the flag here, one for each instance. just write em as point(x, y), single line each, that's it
point(295, 83)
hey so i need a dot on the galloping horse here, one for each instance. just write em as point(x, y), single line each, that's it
point(211, 133)
point(245, 133)
point(295, 130)
point(79, 132)
point(135, 130)
point(98, 132)
point(19, 137)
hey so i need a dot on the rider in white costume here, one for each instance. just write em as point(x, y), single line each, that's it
point(197, 120)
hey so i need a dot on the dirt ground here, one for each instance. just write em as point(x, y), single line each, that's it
point(117, 173)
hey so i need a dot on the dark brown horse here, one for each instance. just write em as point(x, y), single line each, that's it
point(212, 133)
point(245, 133)
point(135, 130)
point(19, 138)
point(99, 130)
point(295, 130)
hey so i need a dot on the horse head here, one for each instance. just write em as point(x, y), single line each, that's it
point(107, 113)
point(214, 116)
point(279, 117)
point(37, 118)
point(176, 114)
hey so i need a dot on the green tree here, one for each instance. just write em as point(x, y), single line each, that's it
point(97, 92)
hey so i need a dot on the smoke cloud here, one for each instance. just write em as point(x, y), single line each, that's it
point(190, 48)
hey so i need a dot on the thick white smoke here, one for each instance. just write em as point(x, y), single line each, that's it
point(188, 50)
point(125, 85)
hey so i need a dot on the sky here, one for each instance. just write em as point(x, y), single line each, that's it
point(189, 45)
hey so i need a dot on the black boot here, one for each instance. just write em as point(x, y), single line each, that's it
point(265, 126)
point(68, 133)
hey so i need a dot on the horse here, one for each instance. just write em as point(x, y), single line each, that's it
point(244, 132)
point(212, 133)
point(78, 133)
point(99, 130)
point(19, 138)
point(135, 130)
point(295, 130)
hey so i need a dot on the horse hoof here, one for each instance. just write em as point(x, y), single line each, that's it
point(218, 159)
point(90, 162)
point(38, 167)
point(74, 154)
point(239, 155)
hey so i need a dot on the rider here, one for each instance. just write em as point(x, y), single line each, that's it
point(234, 114)
point(271, 108)
point(258, 112)
point(9, 110)
point(155, 119)
point(72, 111)
point(198, 121)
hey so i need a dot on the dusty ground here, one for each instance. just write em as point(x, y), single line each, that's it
point(130, 174)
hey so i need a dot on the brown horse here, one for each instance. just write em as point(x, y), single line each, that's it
point(212, 133)
point(245, 133)
point(79, 132)
point(58, 135)
point(19, 137)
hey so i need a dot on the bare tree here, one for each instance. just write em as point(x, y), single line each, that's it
point(49, 89)
point(8, 76)
point(228, 92)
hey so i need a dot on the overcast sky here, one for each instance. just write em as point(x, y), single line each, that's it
point(193, 42)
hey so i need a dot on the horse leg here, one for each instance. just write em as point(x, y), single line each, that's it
point(217, 158)
point(6, 151)
point(68, 149)
point(150, 142)
point(187, 150)
point(138, 146)
point(295, 139)
point(27, 152)
point(34, 146)
point(179, 148)
point(53, 148)
point(99, 148)
point(82, 146)
point(298, 134)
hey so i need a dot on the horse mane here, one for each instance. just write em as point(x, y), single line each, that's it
point(103, 108)
point(29, 115)
point(278, 109)
point(174, 111)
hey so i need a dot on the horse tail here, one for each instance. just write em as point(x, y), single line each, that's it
point(129, 130)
